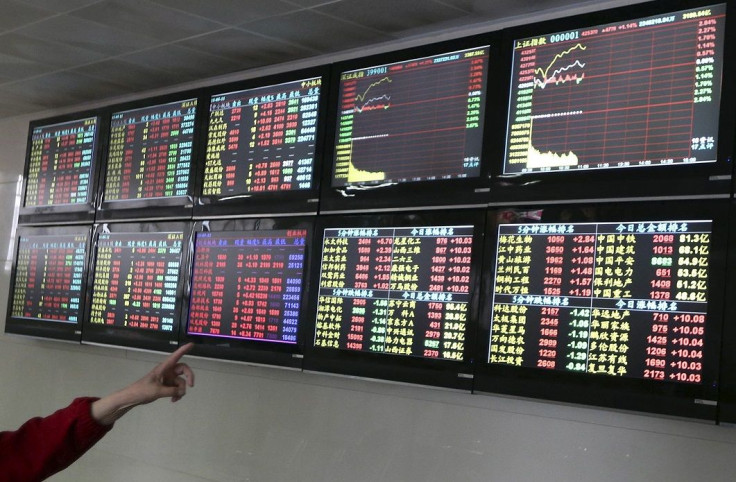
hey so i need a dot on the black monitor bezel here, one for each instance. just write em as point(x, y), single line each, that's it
point(415, 370)
point(39, 328)
point(250, 351)
point(708, 180)
point(291, 203)
point(174, 207)
point(460, 192)
point(134, 337)
point(670, 398)
point(727, 401)
point(64, 213)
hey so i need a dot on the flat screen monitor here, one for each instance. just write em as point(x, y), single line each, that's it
point(393, 297)
point(247, 289)
point(149, 161)
point(136, 285)
point(408, 124)
point(48, 283)
point(61, 170)
point(634, 99)
point(613, 305)
point(263, 147)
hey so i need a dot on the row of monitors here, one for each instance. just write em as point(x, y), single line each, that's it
point(609, 304)
point(609, 99)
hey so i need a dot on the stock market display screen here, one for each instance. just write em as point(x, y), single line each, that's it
point(61, 163)
point(262, 140)
point(644, 92)
point(135, 280)
point(49, 275)
point(619, 299)
point(150, 152)
point(248, 285)
point(399, 291)
point(417, 120)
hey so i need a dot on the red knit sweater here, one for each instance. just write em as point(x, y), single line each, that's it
point(43, 446)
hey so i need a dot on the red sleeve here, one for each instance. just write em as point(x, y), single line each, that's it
point(43, 446)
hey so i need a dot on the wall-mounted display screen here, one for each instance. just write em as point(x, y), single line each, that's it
point(612, 304)
point(625, 299)
point(247, 285)
point(48, 283)
point(49, 276)
point(394, 297)
point(61, 163)
point(636, 93)
point(150, 152)
point(415, 120)
point(262, 140)
point(135, 280)
point(399, 291)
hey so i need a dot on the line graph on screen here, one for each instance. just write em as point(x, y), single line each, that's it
point(621, 95)
point(409, 121)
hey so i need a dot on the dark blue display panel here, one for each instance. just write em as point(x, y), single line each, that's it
point(247, 289)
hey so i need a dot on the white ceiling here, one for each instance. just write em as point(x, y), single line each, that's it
point(57, 53)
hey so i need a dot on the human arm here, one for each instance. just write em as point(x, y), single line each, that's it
point(168, 379)
point(43, 446)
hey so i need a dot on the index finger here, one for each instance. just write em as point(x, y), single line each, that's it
point(174, 358)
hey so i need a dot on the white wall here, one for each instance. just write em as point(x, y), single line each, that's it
point(244, 423)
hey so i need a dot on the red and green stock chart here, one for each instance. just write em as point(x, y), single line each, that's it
point(135, 280)
point(398, 291)
point(150, 152)
point(417, 120)
point(247, 285)
point(619, 299)
point(262, 140)
point(645, 92)
point(61, 163)
point(49, 275)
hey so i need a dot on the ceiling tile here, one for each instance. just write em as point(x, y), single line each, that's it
point(14, 68)
point(55, 55)
point(231, 12)
point(17, 14)
point(248, 49)
point(503, 9)
point(87, 35)
point(9, 107)
point(60, 89)
point(391, 16)
point(186, 64)
point(311, 3)
point(60, 6)
point(131, 76)
point(140, 17)
point(316, 31)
